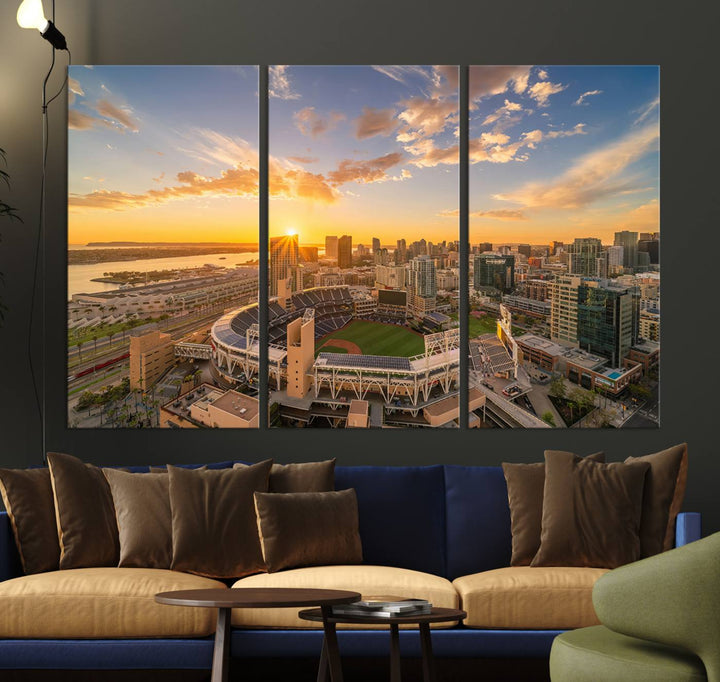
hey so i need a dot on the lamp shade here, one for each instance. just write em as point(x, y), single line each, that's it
point(30, 14)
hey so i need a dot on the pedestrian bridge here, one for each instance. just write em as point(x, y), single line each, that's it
point(199, 351)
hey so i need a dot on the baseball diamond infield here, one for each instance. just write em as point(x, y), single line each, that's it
point(374, 338)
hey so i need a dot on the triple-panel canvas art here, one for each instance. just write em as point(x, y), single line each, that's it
point(364, 254)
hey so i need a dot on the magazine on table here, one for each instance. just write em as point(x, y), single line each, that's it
point(383, 607)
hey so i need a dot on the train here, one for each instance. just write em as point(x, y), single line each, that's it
point(99, 366)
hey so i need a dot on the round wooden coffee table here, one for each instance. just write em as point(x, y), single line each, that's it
point(330, 650)
point(256, 598)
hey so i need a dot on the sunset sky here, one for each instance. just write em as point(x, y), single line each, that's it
point(559, 152)
point(162, 153)
point(369, 151)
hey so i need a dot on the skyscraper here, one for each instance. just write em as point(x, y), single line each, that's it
point(525, 250)
point(629, 241)
point(422, 284)
point(583, 254)
point(283, 259)
point(607, 320)
point(344, 251)
point(401, 252)
point(651, 247)
point(375, 245)
point(555, 246)
point(331, 247)
point(494, 271)
point(564, 308)
point(484, 246)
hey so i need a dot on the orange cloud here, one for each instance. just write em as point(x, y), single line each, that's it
point(375, 122)
point(77, 120)
point(427, 155)
point(309, 122)
point(303, 159)
point(494, 80)
point(426, 117)
point(365, 172)
point(542, 90)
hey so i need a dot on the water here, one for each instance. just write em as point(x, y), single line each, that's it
point(80, 276)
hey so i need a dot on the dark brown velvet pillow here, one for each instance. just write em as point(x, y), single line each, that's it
point(663, 498)
point(308, 529)
point(144, 519)
point(525, 484)
point(214, 532)
point(85, 514)
point(301, 477)
point(28, 498)
point(591, 512)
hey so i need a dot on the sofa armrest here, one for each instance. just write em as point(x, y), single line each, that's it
point(671, 598)
point(688, 528)
point(10, 566)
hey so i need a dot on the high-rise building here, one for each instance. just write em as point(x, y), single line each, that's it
point(583, 254)
point(401, 252)
point(607, 319)
point(652, 248)
point(331, 247)
point(484, 246)
point(615, 259)
point(491, 270)
point(564, 308)
point(525, 250)
point(344, 251)
point(629, 241)
point(375, 245)
point(555, 247)
point(362, 250)
point(283, 259)
point(422, 284)
point(390, 276)
point(382, 256)
point(308, 254)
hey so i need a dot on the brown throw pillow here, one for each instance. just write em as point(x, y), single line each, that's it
point(214, 532)
point(144, 519)
point(85, 514)
point(308, 529)
point(525, 484)
point(663, 498)
point(591, 512)
point(302, 477)
point(28, 498)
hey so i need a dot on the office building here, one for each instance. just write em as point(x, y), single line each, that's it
point(331, 247)
point(491, 270)
point(283, 260)
point(564, 308)
point(652, 248)
point(422, 284)
point(582, 256)
point(375, 245)
point(525, 250)
point(344, 251)
point(401, 252)
point(629, 241)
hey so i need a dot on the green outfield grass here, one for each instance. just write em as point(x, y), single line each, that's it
point(375, 338)
point(480, 325)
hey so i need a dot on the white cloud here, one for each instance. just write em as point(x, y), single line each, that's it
point(646, 110)
point(578, 129)
point(280, 85)
point(542, 90)
point(581, 100)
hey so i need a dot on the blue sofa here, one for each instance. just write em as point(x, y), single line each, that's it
point(448, 521)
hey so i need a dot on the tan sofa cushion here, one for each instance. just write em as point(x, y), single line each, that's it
point(529, 598)
point(96, 603)
point(368, 580)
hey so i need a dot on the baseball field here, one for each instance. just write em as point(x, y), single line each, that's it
point(372, 338)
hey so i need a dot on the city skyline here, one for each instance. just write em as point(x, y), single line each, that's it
point(559, 152)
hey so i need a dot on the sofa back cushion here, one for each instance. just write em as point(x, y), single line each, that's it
point(478, 520)
point(402, 514)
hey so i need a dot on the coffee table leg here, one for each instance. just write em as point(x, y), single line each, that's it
point(427, 654)
point(331, 644)
point(395, 667)
point(322, 675)
point(221, 653)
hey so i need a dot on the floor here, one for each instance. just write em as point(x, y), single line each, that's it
point(305, 670)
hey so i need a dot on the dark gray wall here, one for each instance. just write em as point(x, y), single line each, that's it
point(681, 38)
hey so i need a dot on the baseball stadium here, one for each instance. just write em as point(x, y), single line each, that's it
point(329, 359)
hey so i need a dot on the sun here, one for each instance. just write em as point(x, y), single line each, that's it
point(291, 231)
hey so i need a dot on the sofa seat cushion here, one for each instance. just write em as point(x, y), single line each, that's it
point(100, 603)
point(370, 581)
point(598, 654)
point(529, 598)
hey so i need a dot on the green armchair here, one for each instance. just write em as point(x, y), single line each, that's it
point(661, 622)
